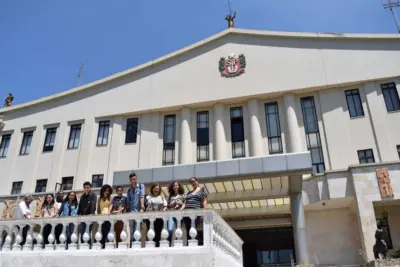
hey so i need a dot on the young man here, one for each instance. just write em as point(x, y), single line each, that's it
point(118, 205)
point(24, 212)
point(87, 206)
point(135, 199)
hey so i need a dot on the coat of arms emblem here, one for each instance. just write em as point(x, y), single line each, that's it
point(232, 66)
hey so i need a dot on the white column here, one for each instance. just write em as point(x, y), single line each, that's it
point(220, 138)
point(256, 144)
point(293, 131)
point(299, 228)
point(185, 154)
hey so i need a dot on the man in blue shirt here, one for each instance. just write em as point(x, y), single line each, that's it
point(135, 197)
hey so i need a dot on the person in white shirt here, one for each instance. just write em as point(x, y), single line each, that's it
point(24, 212)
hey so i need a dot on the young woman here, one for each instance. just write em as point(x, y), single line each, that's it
point(69, 207)
point(103, 208)
point(195, 199)
point(175, 202)
point(48, 210)
point(118, 205)
point(156, 202)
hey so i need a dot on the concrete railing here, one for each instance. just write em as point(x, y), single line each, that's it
point(74, 234)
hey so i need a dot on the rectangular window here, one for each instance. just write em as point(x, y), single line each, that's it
point(131, 130)
point(237, 133)
point(203, 140)
point(169, 140)
point(366, 156)
point(26, 143)
point(5, 143)
point(74, 136)
point(354, 103)
point(391, 96)
point(50, 139)
point(313, 138)
point(97, 180)
point(41, 186)
point(102, 135)
point(16, 188)
point(67, 183)
point(398, 150)
point(273, 128)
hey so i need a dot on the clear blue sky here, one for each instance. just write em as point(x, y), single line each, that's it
point(42, 42)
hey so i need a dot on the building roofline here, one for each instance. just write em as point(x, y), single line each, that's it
point(212, 38)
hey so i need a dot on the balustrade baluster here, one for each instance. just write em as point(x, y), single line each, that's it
point(62, 238)
point(151, 234)
point(39, 239)
point(85, 237)
point(18, 239)
point(164, 243)
point(137, 235)
point(74, 228)
point(29, 240)
point(111, 236)
point(98, 236)
point(123, 236)
point(178, 233)
point(193, 242)
point(50, 238)
point(7, 242)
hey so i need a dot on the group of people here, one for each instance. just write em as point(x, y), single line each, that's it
point(134, 201)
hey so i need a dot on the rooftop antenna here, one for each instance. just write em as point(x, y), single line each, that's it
point(80, 73)
point(229, 18)
point(391, 5)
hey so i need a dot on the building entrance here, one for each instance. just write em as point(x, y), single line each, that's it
point(268, 247)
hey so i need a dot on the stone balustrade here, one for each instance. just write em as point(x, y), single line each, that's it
point(216, 233)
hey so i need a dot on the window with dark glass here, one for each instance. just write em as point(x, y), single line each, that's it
point(237, 133)
point(398, 150)
point(26, 143)
point(313, 137)
point(131, 130)
point(67, 183)
point(97, 180)
point(203, 140)
point(16, 188)
point(50, 139)
point(354, 103)
point(366, 156)
point(102, 135)
point(41, 186)
point(169, 140)
point(273, 128)
point(5, 143)
point(391, 96)
point(74, 136)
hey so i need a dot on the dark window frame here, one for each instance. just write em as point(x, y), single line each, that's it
point(271, 136)
point(363, 158)
point(40, 186)
point(65, 181)
point(4, 145)
point(14, 188)
point(131, 130)
point(390, 96)
point(203, 135)
point(398, 150)
point(237, 139)
point(50, 135)
point(73, 136)
point(169, 146)
point(96, 178)
point(104, 130)
point(353, 96)
point(26, 143)
point(318, 167)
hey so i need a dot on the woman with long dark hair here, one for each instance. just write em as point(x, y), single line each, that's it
point(103, 208)
point(176, 199)
point(156, 202)
point(69, 207)
point(48, 210)
point(195, 199)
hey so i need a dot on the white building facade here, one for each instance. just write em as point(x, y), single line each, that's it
point(288, 147)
